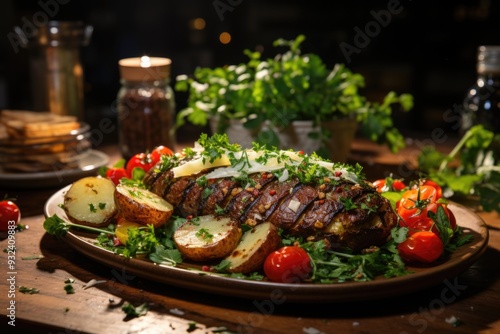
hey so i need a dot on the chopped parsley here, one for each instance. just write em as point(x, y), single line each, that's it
point(204, 234)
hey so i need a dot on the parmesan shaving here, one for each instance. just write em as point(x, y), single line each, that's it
point(294, 205)
point(248, 162)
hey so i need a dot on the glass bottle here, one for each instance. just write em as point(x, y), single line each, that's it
point(482, 102)
point(146, 105)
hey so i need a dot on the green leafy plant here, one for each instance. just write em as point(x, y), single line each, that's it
point(472, 167)
point(288, 87)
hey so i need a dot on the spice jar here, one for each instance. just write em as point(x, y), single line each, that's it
point(146, 106)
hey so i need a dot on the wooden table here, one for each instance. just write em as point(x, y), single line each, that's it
point(45, 263)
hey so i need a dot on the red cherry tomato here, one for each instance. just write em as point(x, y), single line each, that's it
point(158, 152)
point(141, 160)
point(289, 264)
point(422, 247)
point(115, 174)
point(10, 215)
point(413, 206)
point(388, 184)
point(439, 190)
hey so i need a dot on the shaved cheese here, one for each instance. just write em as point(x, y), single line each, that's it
point(294, 205)
point(197, 165)
point(247, 162)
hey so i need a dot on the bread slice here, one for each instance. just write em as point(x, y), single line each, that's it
point(33, 124)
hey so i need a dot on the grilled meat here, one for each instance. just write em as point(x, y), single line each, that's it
point(345, 213)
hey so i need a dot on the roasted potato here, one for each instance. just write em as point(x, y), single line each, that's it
point(255, 245)
point(142, 206)
point(89, 201)
point(122, 227)
point(208, 237)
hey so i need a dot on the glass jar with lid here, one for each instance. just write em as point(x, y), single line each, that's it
point(146, 105)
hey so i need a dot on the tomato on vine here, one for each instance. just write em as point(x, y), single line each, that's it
point(289, 264)
point(439, 189)
point(414, 205)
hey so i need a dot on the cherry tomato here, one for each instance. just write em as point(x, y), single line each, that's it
point(413, 206)
point(115, 174)
point(388, 184)
point(10, 215)
point(439, 190)
point(423, 247)
point(141, 160)
point(158, 152)
point(289, 264)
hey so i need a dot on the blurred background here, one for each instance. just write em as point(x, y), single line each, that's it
point(427, 49)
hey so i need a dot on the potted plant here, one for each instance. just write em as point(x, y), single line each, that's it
point(286, 95)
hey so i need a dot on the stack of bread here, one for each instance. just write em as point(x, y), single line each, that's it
point(32, 141)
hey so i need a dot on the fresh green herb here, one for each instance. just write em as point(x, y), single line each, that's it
point(219, 211)
point(348, 203)
point(58, 227)
point(287, 87)
point(202, 181)
point(204, 234)
point(452, 239)
point(206, 192)
point(192, 326)
point(140, 240)
point(27, 290)
point(132, 311)
point(471, 168)
point(333, 266)
point(165, 256)
point(92, 208)
point(102, 206)
point(69, 289)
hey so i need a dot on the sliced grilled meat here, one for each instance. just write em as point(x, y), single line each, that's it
point(346, 214)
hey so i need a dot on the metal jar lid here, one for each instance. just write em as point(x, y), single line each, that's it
point(144, 68)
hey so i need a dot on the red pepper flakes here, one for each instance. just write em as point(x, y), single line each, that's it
point(189, 217)
point(255, 192)
point(272, 192)
point(338, 173)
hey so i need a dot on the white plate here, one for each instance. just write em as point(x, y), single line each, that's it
point(421, 278)
point(87, 166)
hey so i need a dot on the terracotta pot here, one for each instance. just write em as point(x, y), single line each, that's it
point(342, 134)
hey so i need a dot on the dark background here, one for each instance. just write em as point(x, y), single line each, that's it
point(428, 48)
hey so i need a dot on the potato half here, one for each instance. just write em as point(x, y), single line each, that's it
point(89, 201)
point(142, 206)
point(207, 237)
point(255, 245)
